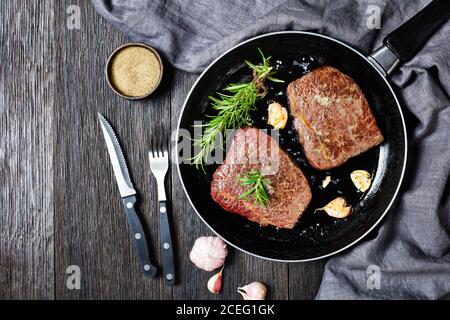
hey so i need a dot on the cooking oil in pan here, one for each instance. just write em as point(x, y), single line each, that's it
point(341, 185)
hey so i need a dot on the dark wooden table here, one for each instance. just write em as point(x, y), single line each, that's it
point(59, 200)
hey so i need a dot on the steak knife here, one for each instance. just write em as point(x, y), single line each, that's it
point(128, 195)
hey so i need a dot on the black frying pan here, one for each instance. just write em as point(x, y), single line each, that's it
point(295, 53)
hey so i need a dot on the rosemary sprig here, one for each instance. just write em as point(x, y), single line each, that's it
point(233, 107)
point(257, 184)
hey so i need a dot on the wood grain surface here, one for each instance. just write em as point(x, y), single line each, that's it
point(59, 199)
point(27, 101)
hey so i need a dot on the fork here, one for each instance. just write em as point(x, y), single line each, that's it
point(159, 164)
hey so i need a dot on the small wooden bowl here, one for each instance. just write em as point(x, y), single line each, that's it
point(110, 59)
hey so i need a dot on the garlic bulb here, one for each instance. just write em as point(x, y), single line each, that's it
point(253, 291)
point(215, 283)
point(208, 253)
point(337, 208)
point(361, 179)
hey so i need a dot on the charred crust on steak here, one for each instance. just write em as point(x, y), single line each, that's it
point(332, 117)
point(290, 192)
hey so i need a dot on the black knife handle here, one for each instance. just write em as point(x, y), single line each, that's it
point(137, 232)
point(166, 244)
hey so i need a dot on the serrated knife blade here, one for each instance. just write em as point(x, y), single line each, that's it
point(119, 165)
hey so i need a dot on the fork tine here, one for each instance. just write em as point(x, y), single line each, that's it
point(159, 147)
point(167, 147)
point(154, 151)
point(163, 149)
point(158, 151)
point(151, 148)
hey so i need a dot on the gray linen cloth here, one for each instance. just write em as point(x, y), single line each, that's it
point(412, 247)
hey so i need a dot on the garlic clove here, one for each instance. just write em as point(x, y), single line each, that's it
point(215, 282)
point(253, 291)
point(337, 208)
point(277, 115)
point(361, 179)
point(208, 253)
point(326, 182)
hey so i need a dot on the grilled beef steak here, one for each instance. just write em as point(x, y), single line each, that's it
point(332, 117)
point(289, 191)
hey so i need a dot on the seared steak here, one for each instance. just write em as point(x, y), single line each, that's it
point(332, 117)
point(289, 191)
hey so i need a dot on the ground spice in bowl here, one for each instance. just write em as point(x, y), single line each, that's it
point(134, 70)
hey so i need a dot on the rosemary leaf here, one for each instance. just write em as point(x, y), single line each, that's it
point(233, 108)
point(257, 183)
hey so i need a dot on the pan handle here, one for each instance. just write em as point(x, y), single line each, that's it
point(406, 40)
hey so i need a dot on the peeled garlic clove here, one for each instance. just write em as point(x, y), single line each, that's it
point(361, 179)
point(253, 291)
point(326, 182)
point(337, 208)
point(278, 115)
point(215, 282)
point(208, 253)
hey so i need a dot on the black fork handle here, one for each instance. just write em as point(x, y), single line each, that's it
point(165, 235)
point(407, 39)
